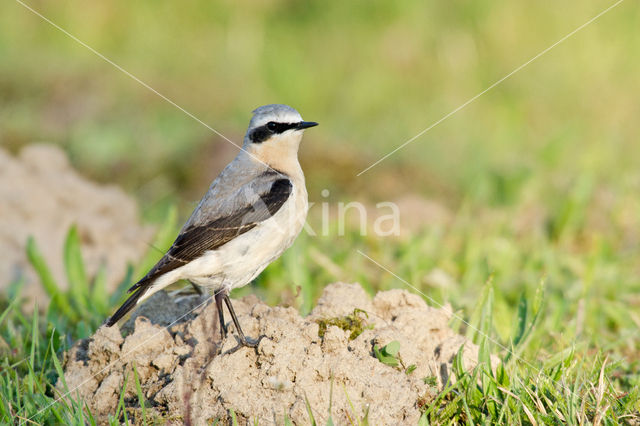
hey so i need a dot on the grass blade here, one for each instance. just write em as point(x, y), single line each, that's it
point(312, 419)
point(140, 394)
point(98, 296)
point(34, 347)
point(74, 266)
point(234, 420)
point(46, 279)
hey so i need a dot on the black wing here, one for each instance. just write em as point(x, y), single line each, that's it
point(193, 242)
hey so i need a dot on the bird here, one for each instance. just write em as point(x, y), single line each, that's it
point(252, 212)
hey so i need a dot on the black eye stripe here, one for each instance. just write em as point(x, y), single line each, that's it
point(262, 133)
point(281, 127)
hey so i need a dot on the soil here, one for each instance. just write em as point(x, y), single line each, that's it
point(42, 196)
point(189, 376)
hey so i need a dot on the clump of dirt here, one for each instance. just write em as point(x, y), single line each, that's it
point(186, 377)
point(42, 196)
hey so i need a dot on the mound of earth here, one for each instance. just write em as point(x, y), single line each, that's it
point(188, 376)
point(42, 196)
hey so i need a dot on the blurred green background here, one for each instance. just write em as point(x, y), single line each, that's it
point(372, 73)
point(540, 174)
point(535, 185)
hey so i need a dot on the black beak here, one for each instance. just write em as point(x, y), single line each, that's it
point(305, 125)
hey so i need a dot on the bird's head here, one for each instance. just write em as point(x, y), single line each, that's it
point(275, 132)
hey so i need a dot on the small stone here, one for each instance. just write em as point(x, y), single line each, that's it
point(165, 361)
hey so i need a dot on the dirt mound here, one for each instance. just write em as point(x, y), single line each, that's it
point(184, 381)
point(42, 196)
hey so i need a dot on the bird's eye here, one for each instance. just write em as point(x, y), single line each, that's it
point(272, 126)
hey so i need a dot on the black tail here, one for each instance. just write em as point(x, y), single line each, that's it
point(126, 306)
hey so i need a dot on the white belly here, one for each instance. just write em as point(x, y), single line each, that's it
point(239, 261)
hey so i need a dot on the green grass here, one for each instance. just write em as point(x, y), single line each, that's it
point(568, 348)
point(373, 75)
point(31, 344)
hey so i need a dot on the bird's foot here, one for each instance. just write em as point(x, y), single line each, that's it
point(248, 342)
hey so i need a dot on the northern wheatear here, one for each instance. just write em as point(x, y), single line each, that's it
point(251, 214)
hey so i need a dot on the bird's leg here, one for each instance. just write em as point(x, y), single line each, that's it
point(219, 296)
point(196, 288)
point(243, 340)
